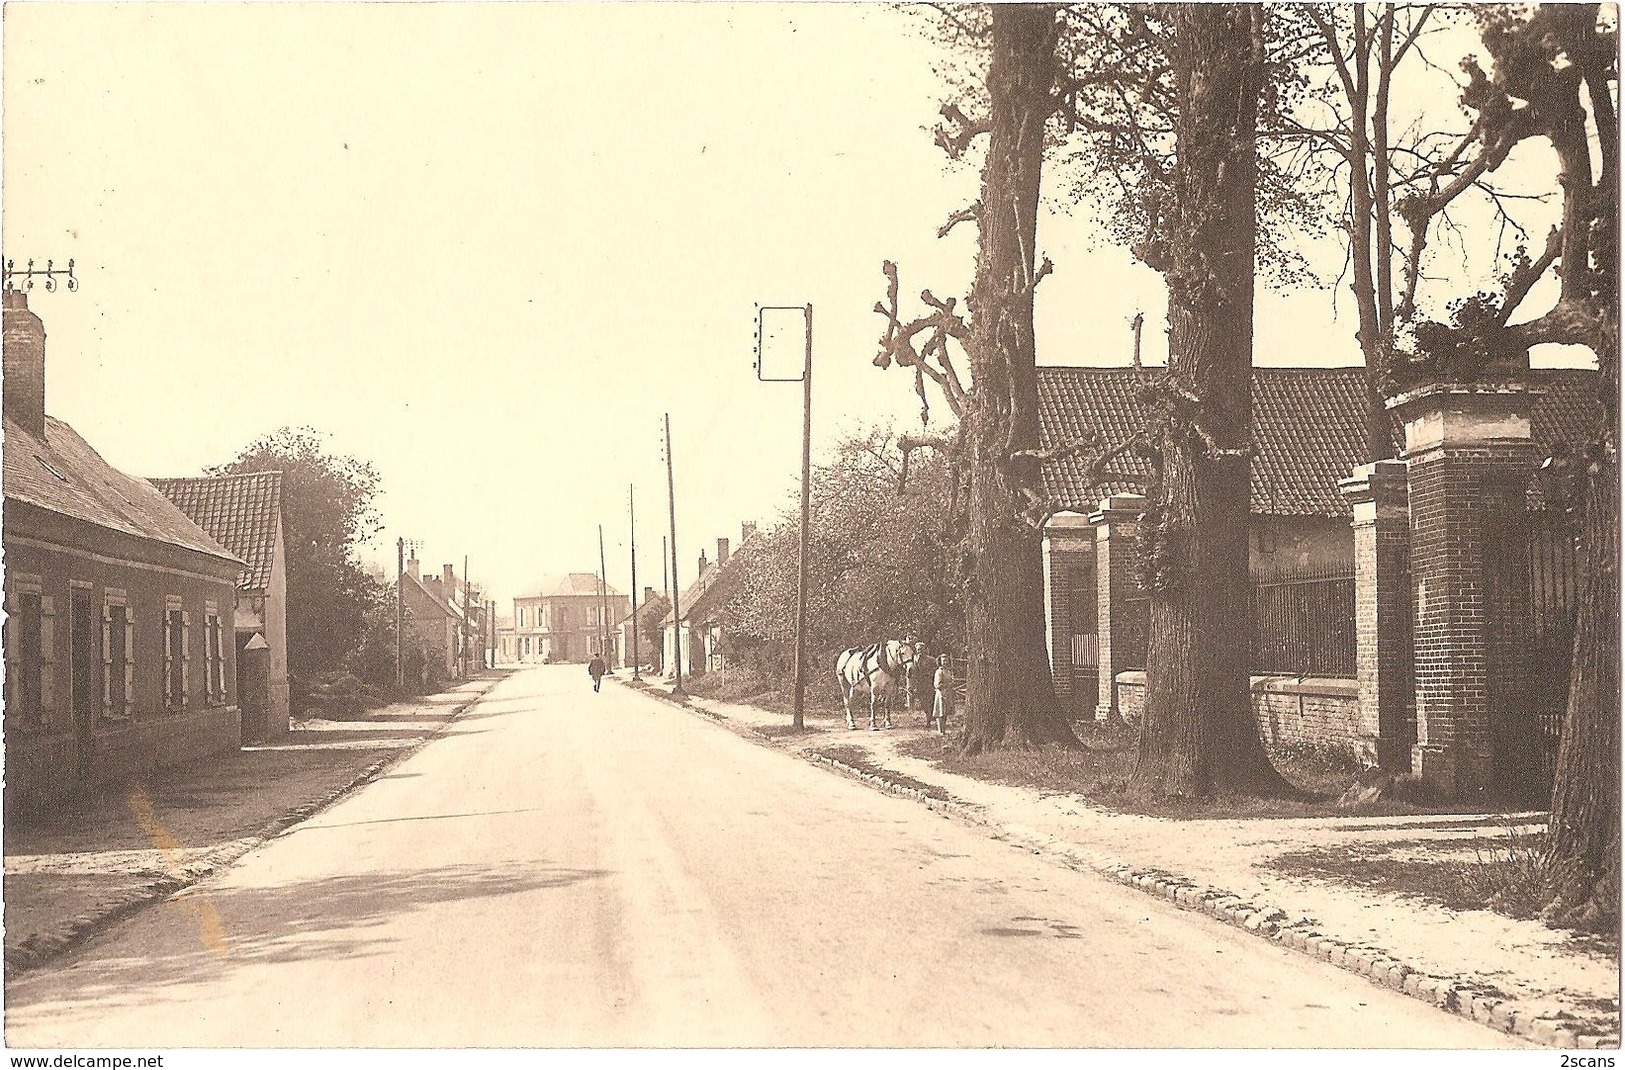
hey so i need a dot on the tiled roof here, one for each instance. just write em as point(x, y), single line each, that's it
point(1308, 430)
point(572, 584)
point(241, 512)
point(715, 585)
point(63, 474)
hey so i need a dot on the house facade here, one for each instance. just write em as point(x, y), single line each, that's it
point(118, 650)
point(700, 637)
point(567, 618)
point(244, 514)
point(646, 639)
point(1337, 656)
point(434, 619)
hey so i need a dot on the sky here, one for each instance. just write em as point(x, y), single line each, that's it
point(488, 248)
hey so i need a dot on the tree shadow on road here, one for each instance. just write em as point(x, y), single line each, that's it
point(207, 933)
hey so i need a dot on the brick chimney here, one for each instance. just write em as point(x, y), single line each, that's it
point(448, 579)
point(648, 595)
point(412, 565)
point(701, 572)
point(746, 530)
point(722, 552)
point(24, 365)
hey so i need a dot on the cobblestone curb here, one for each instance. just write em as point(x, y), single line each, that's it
point(41, 947)
point(1460, 996)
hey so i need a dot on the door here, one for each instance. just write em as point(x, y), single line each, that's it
point(85, 630)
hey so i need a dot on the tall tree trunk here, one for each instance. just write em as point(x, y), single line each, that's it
point(1010, 698)
point(1199, 735)
point(1583, 836)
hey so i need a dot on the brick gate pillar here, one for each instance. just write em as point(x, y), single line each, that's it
point(1382, 613)
point(1117, 556)
point(1469, 457)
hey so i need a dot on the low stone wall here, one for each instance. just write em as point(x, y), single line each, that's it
point(1319, 710)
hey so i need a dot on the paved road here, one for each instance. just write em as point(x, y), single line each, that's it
point(564, 868)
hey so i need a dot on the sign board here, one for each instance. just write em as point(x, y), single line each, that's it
point(781, 343)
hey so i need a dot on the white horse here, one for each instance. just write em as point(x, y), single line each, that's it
point(874, 670)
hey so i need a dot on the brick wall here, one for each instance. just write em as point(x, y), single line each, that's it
point(1323, 711)
point(55, 758)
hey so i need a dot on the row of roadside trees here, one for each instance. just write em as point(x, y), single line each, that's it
point(1205, 136)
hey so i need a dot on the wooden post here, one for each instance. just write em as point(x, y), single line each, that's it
point(797, 720)
point(632, 522)
point(676, 613)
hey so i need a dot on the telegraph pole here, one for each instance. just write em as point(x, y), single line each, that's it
point(801, 556)
point(763, 336)
point(632, 523)
point(462, 655)
point(676, 614)
point(400, 571)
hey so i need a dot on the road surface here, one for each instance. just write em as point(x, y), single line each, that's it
point(565, 868)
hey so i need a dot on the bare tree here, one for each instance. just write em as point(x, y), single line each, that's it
point(1010, 698)
point(1555, 77)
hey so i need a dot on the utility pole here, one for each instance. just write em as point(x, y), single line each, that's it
point(632, 523)
point(400, 572)
point(801, 556)
point(676, 614)
point(763, 335)
point(462, 653)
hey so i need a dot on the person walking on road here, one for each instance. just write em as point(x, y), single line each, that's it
point(595, 669)
point(943, 705)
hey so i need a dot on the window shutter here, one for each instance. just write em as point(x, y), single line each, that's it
point(217, 639)
point(107, 657)
point(47, 646)
point(9, 630)
point(169, 660)
point(186, 657)
point(129, 661)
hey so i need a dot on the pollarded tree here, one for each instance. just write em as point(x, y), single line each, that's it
point(1555, 77)
point(1010, 698)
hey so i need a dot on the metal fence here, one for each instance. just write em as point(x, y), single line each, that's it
point(1302, 625)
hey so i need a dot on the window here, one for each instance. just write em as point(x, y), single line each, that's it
point(30, 643)
point(118, 656)
point(214, 656)
point(177, 653)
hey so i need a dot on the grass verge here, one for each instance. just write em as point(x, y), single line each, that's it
point(1099, 771)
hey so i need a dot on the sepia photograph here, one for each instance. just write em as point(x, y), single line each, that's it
point(827, 529)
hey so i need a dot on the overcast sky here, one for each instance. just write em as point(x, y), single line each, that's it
point(487, 247)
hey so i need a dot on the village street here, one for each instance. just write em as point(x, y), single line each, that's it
point(568, 868)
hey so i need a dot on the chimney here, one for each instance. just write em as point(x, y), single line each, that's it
point(448, 578)
point(648, 595)
point(24, 365)
point(412, 565)
point(746, 530)
point(701, 572)
point(722, 552)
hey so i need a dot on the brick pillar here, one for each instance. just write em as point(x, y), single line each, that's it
point(1116, 573)
point(1469, 458)
point(1382, 613)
